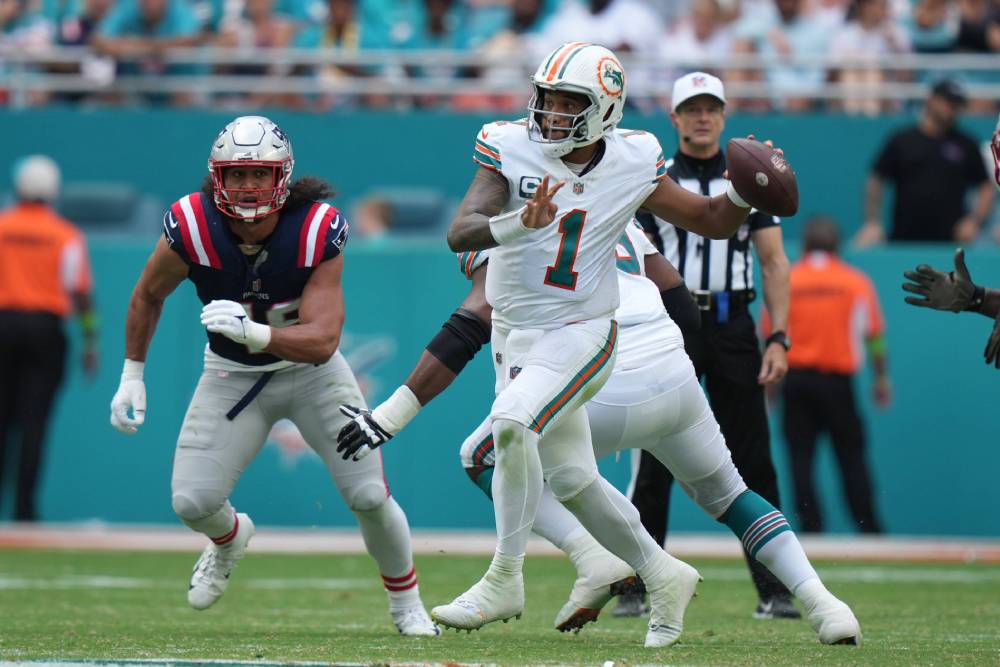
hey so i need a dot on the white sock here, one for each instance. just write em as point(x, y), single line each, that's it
point(387, 538)
point(786, 560)
point(556, 523)
point(810, 592)
point(517, 485)
point(217, 525)
point(504, 567)
point(614, 523)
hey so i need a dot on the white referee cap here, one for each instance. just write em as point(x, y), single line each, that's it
point(695, 84)
point(37, 178)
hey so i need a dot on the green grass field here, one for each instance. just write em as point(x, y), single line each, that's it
point(119, 606)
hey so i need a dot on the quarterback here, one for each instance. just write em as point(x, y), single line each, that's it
point(652, 401)
point(264, 254)
point(553, 293)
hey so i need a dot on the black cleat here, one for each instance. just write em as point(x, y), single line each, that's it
point(777, 607)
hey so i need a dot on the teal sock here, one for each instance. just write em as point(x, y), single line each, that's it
point(755, 521)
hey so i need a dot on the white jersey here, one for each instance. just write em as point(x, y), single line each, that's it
point(563, 273)
point(646, 331)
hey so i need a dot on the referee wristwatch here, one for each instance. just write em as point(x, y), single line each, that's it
point(781, 338)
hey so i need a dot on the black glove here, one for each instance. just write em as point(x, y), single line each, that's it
point(361, 435)
point(952, 291)
point(992, 352)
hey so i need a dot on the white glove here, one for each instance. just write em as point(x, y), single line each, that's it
point(131, 395)
point(231, 320)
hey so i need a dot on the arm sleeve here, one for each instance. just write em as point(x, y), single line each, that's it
point(487, 150)
point(469, 261)
point(886, 162)
point(758, 220)
point(175, 238)
point(75, 267)
point(975, 165)
point(336, 236)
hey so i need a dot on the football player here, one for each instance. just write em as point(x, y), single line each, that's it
point(955, 291)
point(553, 291)
point(652, 401)
point(264, 254)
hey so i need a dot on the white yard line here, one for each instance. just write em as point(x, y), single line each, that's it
point(105, 537)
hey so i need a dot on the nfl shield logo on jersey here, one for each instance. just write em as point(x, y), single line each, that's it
point(578, 188)
point(514, 372)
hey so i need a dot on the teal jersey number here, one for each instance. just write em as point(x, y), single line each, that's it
point(629, 263)
point(561, 274)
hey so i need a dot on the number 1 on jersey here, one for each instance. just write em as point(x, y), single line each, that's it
point(561, 273)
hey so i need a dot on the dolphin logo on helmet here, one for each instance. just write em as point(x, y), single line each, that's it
point(251, 141)
point(585, 69)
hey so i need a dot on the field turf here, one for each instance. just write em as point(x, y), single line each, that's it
point(62, 605)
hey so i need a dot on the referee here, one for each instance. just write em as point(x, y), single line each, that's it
point(44, 276)
point(725, 350)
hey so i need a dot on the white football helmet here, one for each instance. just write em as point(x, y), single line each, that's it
point(251, 141)
point(586, 69)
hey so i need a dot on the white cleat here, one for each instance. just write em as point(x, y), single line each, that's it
point(834, 621)
point(670, 591)
point(414, 622)
point(487, 601)
point(598, 580)
point(211, 573)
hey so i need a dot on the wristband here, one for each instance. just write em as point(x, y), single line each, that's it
point(735, 197)
point(258, 335)
point(978, 296)
point(508, 227)
point(396, 411)
point(132, 370)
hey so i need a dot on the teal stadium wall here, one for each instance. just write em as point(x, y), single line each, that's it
point(934, 453)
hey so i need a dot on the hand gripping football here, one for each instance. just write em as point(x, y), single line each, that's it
point(762, 177)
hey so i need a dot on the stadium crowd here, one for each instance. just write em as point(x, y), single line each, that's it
point(801, 46)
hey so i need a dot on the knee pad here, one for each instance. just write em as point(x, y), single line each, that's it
point(714, 493)
point(366, 497)
point(194, 505)
point(568, 480)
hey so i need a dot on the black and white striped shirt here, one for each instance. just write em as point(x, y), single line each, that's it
point(706, 264)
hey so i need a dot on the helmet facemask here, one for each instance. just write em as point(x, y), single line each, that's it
point(251, 143)
point(250, 204)
point(580, 130)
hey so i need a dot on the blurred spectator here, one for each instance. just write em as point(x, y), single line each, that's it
point(976, 21)
point(22, 28)
point(520, 40)
point(76, 29)
point(372, 219)
point(703, 34)
point(832, 304)
point(932, 25)
point(340, 32)
point(932, 166)
point(44, 275)
point(869, 36)
point(138, 33)
point(440, 30)
point(627, 27)
point(780, 37)
point(257, 29)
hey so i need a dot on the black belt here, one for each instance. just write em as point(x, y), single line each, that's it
point(250, 395)
point(707, 300)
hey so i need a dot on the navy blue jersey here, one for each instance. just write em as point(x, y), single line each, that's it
point(268, 284)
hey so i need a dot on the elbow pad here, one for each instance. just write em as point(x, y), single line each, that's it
point(681, 307)
point(460, 338)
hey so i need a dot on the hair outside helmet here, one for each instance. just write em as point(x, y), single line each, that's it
point(251, 141)
point(585, 69)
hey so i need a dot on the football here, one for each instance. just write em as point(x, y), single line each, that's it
point(762, 177)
